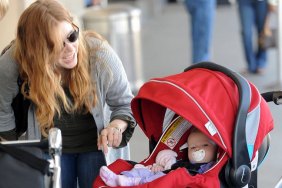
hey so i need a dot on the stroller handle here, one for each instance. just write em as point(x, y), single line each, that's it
point(275, 96)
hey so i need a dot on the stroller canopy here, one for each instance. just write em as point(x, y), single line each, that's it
point(206, 98)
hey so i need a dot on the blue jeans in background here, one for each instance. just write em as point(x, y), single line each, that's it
point(202, 14)
point(252, 14)
point(81, 169)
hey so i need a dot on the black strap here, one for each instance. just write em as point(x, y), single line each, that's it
point(27, 158)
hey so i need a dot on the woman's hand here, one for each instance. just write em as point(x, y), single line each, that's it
point(111, 136)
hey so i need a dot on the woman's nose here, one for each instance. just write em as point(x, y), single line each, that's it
point(67, 47)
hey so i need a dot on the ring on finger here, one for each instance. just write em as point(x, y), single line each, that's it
point(117, 129)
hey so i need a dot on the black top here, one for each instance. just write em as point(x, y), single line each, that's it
point(79, 131)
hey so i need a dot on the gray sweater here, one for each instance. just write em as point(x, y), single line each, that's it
point(113, 92)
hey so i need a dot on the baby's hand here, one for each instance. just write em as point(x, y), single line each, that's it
point(166, 158)
point(157, 168)
point(149, 167)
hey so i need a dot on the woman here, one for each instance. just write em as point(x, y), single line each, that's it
point(69, 77)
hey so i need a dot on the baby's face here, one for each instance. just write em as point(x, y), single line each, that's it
point(200, 148)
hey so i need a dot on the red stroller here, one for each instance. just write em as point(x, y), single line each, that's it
point(221, 104)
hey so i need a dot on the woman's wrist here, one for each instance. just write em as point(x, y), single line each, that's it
point(130, 120)
point(118, 124)
point(126, 124)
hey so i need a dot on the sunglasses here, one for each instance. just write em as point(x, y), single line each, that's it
point(73, 36)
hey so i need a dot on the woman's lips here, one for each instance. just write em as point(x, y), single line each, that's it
point(69, 58)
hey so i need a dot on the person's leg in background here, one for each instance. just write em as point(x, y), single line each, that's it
point(88, 166)
point(202, 13)
point(69, 172)
point(247, 18)
point(261, 9)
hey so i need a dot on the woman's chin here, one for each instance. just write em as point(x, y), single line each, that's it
point(70, 64)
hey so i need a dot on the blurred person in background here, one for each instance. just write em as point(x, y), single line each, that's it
point(202, 14)
point(90, 3)
point(4, 5)
point(253, 14)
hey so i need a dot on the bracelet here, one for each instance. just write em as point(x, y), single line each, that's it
point(130, 121)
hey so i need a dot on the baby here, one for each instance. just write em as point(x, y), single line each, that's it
point(201, 154)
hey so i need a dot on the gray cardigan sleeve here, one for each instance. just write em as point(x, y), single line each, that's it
point(113, 88)
point(117, 90)
point(8, 89)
